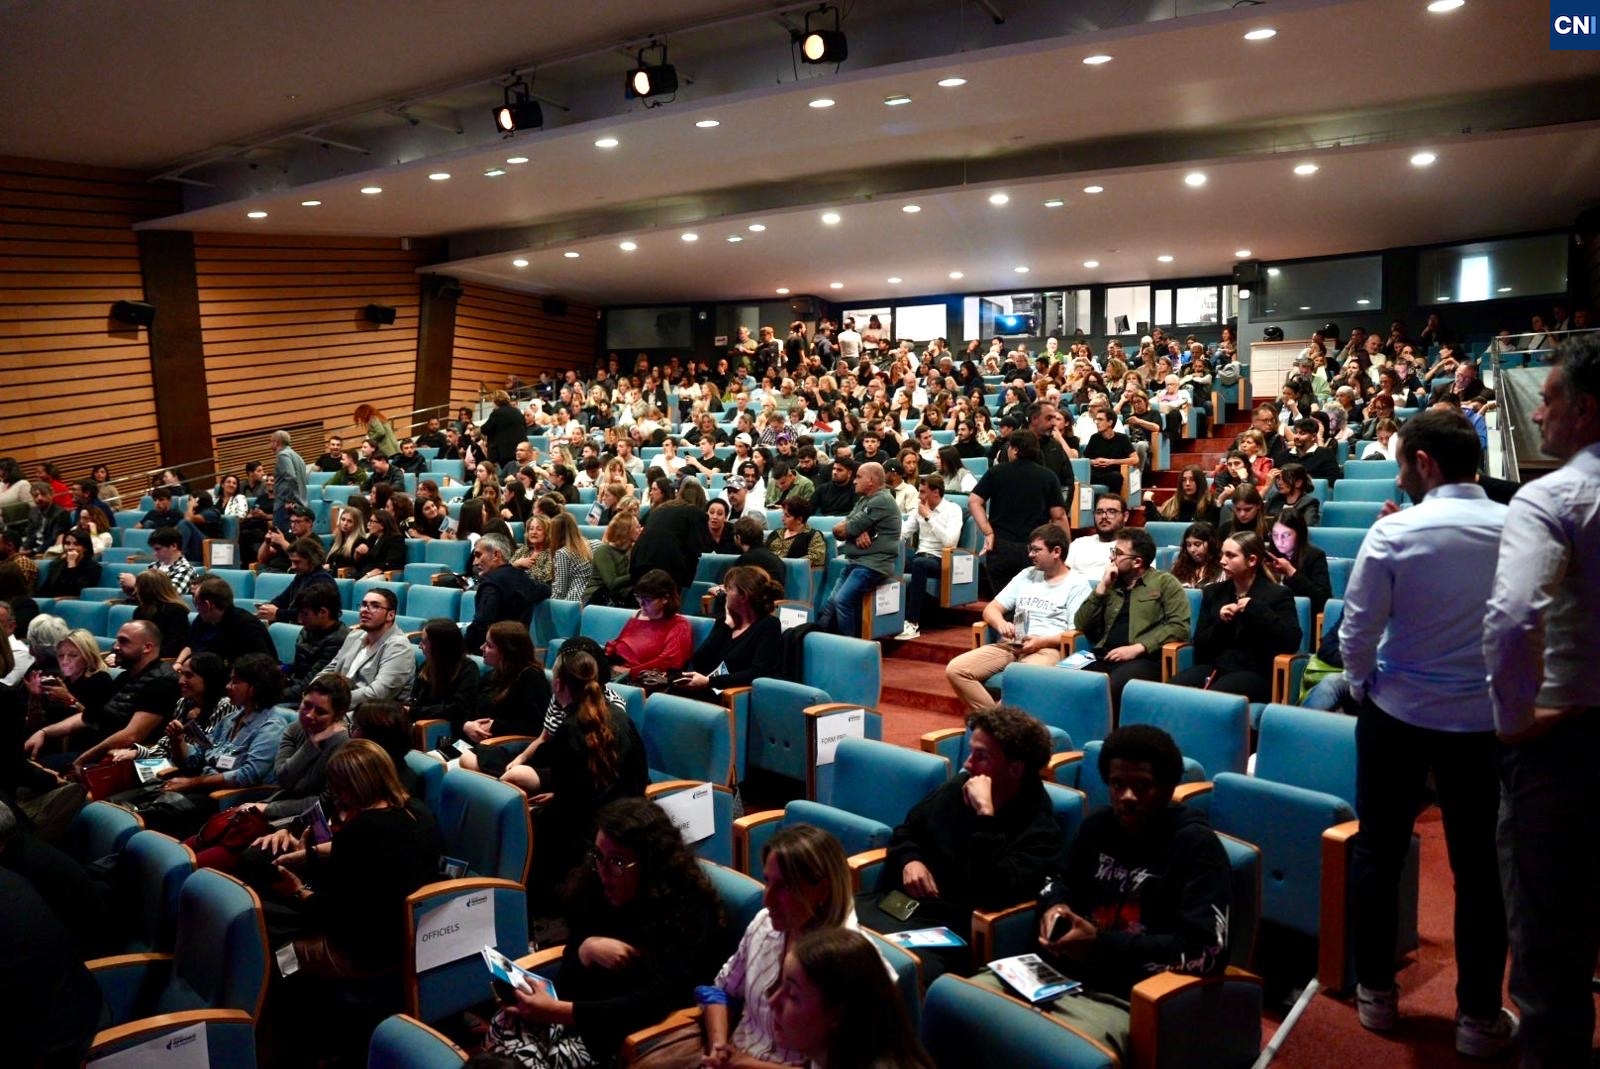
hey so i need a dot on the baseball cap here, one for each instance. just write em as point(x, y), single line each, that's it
point(743, 437)
point(735, 482)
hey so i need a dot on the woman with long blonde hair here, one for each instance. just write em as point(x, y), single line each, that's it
point(574, 560)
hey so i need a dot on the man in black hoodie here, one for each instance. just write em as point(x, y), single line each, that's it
point(1145, 890)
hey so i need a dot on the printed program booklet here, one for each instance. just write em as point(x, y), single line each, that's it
point(926, 937)
point(1033, 978)
point(509, 972)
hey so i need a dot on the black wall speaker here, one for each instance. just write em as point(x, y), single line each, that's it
point(1247, 273)
point(449, 290)
point(378, 313)
point(138, 313)
point(553, 307)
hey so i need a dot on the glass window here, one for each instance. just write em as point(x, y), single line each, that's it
point(1493, 270)
point(1012, 315)
point(863, 318)
point(1065, 313)
point(1323, 287)
point(1127, 310)
point(921, 323)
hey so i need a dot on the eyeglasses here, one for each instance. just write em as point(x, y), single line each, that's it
point(614, 865)
point(1108, 512)
point(375, 606)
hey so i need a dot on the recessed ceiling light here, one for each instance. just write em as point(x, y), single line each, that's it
point(1441, 298)
point(1091, 264)
point(439, 176)
point(1096, 60)
point(757, 228)
point(708, 124)
point(372, 191)
point(516, 159)
point(1273, 272)
point(894, 280)
point(606, 142)
point(836, 285)
point(830, 218)
point(1021, 269)
point(1362, 300)
point(957, 274)
point(1305, 168)
point(691, 236)
point(1164, 259)
point(951, 83)
point(1503, 289)
point(783, 291)
point(494, 172)
point(734, 239)
point(1263, 34)
point(1054, 202)
point(1094, 189)
point(911, 209)
point(1439, 7)
point(1194, 179)
point(998, 199)
point(1305, 308)
point(571, 254)
point(1243, 254)
point(311, 204)
point(822, 102)
point(519, 263)
point(894, 100)
point(255, 215)
point(628, 246)
point(1423, 159)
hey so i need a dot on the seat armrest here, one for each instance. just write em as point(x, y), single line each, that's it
point(731, 695)
point(752, 826)
point(130, 983)
point(1185, 793)
point(120, 1035)
point(520, 741)
point(1225, 1009)
point(990, 928)
point(865, 864)
point(1333, 922)
point(1171, 653)
point(1282, 669)
point(421, 729)
point(1068, 639)
point(930, 741)
point(638, 1044)
point(977, 634)
point(541, 959)
point(1065, 763)
point(232, 796)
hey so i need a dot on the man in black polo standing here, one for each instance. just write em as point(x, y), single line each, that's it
point(1009, 502)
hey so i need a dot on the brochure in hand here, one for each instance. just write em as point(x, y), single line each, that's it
point(506, 976)
point(926, 937)
point(1034, 978)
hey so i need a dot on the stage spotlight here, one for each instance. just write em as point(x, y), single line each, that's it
point(823, 46)
point(652, 79)
point(518, 112)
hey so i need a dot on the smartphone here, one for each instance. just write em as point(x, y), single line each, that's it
point(504, 993)
point(1058, 928)
point(317, 821)
point(899, 905)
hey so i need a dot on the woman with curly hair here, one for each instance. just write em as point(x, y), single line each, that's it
point(1191, 504)
point(643, 927)
point(1199, 561)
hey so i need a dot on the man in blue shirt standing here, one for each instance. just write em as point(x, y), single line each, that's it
point(1413, 657)
point(288, 480)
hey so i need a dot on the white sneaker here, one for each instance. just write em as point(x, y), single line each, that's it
point(1380, 1010)
point(909, 632)
point(1486, 1037)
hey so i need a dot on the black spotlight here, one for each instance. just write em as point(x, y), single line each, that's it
point(652, 79)
point(518, 112)
point(378, 313)
point(823, 46)
point(134, 313)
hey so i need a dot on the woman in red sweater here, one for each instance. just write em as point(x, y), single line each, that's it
point(657, 638)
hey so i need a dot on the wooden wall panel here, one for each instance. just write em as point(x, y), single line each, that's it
point(501, 332)
point(78, 386)
point(285, 340)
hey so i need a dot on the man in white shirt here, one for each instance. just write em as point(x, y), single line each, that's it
point(1042, 602)
point(376, 657)
point(1088, 557)
point(932, 527)
point(849, 342)
point(1411, 637)
point(1538, 641)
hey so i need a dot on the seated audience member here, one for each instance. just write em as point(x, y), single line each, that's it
point(717, 537)
point(384, 551)
point(202, 701)
point(47, 522)
point(807, 890)
point(535, 556)
point(447, 684)
point(745, 644)
point(657, 638)
point(869, 541)
point(643, 926)
point(75, 569)
point(574, 560)
point(273, 554)
point(504, 592)
point(201, 520)
point(167, 548)
point(1110, 931)
point(349, 532)
point(610, 581)
point(837, 496)
point(44, 981)
point(19, 575)
point(306, 557)
point(1087, 557)
point(985, 841)
point(78, 684)
point(1249, 514)
point(1192, 503)
point(1292, 492)
point(836, 1006)
point(1110, 453)
point(1131, 613)
point(931, 528)
point(322, 633)
point(1320, 461)
point(163, 514)
point(237, 751)
point(145, 694)
point(300, 768)
point(1199, 560)
point(595, 757)
point(1383, 447)
point(1293, 561)
point(376, 656)
point(221, 627)
point(1042, 602)
point(795, 538)
point(511, 700)
point(1245, 621)
point(156, 601)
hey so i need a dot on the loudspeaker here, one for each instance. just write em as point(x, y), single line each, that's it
point(554, 307)
point(1247, 273)
point(138, 313)
point(378, 313)
point(804, 307)
point(449, 290)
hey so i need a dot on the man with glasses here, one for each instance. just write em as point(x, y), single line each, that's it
point(1041, 602)
point(1088, 557)
point(376, 656)
point(504, 592)
point(1132, 611)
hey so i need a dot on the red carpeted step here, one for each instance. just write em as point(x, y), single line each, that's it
point(919, 685)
